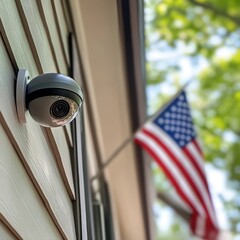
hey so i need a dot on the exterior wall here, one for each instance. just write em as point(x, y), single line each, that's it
point(36, 183)
point(107, 119)
point(5, 233)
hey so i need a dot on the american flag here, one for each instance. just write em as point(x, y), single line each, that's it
point(171, 140)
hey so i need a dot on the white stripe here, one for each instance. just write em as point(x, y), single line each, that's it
point(200, 226)
point(173, 169)
point(194, 151)
point(199, 144)
point(196, 155)
point(186, 163)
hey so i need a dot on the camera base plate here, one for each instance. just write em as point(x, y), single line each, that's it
point(21, 84)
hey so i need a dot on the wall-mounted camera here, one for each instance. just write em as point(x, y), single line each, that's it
point(52, 99)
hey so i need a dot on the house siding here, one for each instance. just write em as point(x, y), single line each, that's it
point(36, 189)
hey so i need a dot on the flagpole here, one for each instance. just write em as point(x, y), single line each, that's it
point(112, 157)
point(169, 101)
point(130, 139)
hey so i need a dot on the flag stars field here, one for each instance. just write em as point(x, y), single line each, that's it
point(179, 126)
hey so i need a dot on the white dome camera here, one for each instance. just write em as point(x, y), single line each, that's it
point(52, 99)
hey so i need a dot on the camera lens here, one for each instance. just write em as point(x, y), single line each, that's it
point(60, 109)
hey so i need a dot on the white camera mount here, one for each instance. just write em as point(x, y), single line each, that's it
point(21, 85)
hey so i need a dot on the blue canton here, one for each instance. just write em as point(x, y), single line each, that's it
point(176, 121)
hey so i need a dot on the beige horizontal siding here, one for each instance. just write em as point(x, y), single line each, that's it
point(36, 154)
point(60, 20)
point(20, 204)
point(31, 41)
point(6, 234)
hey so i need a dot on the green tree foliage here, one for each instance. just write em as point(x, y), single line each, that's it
point(203, 32)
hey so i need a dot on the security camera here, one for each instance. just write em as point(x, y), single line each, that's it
point(52, 99)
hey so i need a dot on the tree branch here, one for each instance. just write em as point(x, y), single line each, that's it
point(182, 212)
point(216, 11)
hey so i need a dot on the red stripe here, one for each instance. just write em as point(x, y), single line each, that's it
point(196, 144)
point(197, 147)
point(172, 179)
point(167, 172)
point(193, 160)
point(201, 171)
point(197, 167)
point(181, 168)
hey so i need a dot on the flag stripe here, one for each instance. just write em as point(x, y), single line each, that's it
point(207, 197)
point(200, 226)
point(170, 169)
point(188, 152)
point(190, 176)
point(193, 153)
point(195, 156)
point(197, 145)
point(196, 174)
point(196, 225)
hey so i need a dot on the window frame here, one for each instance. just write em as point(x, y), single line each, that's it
point(83, 204)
